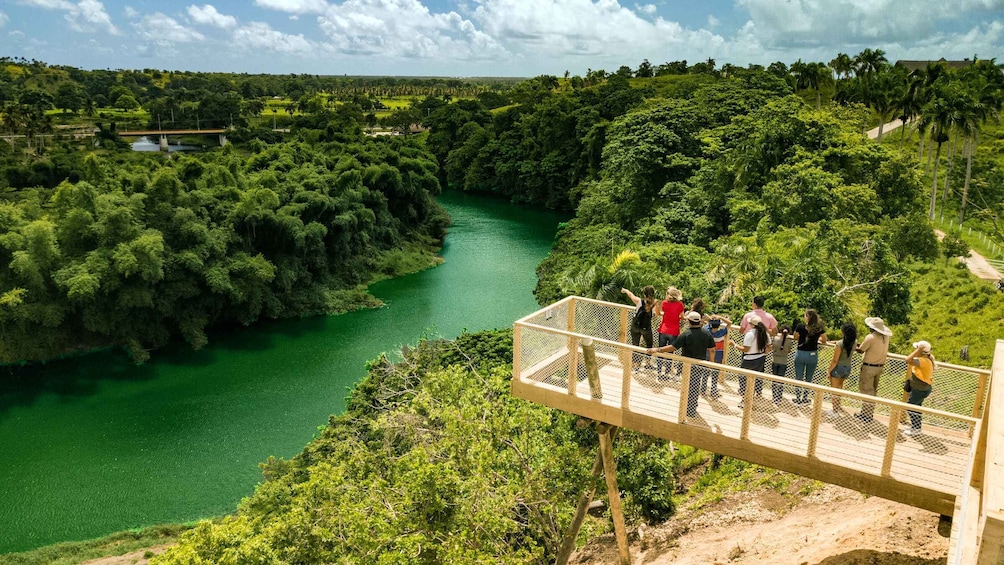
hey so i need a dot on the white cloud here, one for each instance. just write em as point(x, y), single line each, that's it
point(713, 21)
point(161, 28)
point(649, 9)
point(130, 12)
point(852, 22)
point(295, 6)
point(258, 35)
point(208, 15)
point(597, 32)
point(405, 29)
point(3, 19)
point(84, 16)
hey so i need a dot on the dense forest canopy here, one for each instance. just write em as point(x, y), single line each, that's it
point(135, 252)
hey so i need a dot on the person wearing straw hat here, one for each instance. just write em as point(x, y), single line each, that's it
point(874, 350)
point(920, 364)
point(695, 343)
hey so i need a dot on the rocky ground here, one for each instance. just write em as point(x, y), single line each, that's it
point(830, 526)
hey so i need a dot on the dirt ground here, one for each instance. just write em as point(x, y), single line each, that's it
point(832, 526)
point(135, 558)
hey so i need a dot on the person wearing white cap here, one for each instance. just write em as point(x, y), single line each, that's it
point(920, 363)
point(874, 349)
point(696, 343)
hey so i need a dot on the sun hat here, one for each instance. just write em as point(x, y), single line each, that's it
point(674, 293)
point(754, 320)
point(878, 325)
point(924, 346)
point(693, 317)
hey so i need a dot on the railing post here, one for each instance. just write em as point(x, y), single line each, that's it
point(981, 391)
point(890, 439)
point(517, 348)
point(817, 416)
point(573, 350)
point(592, 369)
point(626, 356)
point(624, 326)
point(684, 390)
point(725, 361)
point(747, 406)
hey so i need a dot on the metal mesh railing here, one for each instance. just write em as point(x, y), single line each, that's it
point(880, 435)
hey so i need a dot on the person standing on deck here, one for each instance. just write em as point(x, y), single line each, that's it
point(920, 364)
point(768, 321)
point(641, 324)
point(671, 311)
point(874, 349)
point(695, 343)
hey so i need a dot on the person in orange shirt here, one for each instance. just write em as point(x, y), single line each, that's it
point(921, 364)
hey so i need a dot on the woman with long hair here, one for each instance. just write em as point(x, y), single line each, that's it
point(808, 334)
point(782, 350)
point(840, 365)
point(756, 344)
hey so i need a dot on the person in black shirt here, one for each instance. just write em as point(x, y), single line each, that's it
point(641, 324)
point(808, 335)
point(695, 343)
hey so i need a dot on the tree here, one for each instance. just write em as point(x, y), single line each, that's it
point(952, 245)
point(645, 70)
point(842, 65)
point(868, 62)
point(126, 102)
point(69, 97)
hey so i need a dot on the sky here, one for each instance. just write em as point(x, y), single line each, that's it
point(465, 38)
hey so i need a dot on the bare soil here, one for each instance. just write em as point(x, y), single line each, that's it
point(831, 526)
point(135, 558)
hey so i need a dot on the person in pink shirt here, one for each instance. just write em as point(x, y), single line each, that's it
point(769, 322)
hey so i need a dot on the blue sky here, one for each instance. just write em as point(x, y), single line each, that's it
point(485, 37)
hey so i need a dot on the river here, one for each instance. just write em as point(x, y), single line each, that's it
point(95, 444)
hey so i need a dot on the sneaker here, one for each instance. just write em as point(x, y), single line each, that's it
point(912, 432)
point(831, 414)
point(740, 405)
point(863, 418)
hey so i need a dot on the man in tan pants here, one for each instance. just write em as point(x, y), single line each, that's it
point(874, 349)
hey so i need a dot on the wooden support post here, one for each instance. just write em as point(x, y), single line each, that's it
point(890, 440)
point(573, 351)
point(725, 361)
point(817, 416)
point(610, 474)
point(568, 542)
point(684, 391)
point(592, 369)
point(747, 405)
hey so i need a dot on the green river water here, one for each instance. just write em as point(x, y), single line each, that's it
point(96, 444)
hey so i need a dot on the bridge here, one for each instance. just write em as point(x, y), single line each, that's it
point(163, 133)
point(573, 356)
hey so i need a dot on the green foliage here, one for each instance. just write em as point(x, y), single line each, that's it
point(952, 309)
point(953, 246)
point(433, 462)
point(130, 255)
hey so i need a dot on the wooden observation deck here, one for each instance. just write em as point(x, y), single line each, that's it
point(573, 356)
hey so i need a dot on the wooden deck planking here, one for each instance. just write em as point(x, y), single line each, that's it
point(786, 428)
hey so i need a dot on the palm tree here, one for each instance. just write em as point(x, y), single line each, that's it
point(987, 82)
point(943, 113)
point(869, 62)
point(842, 65)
